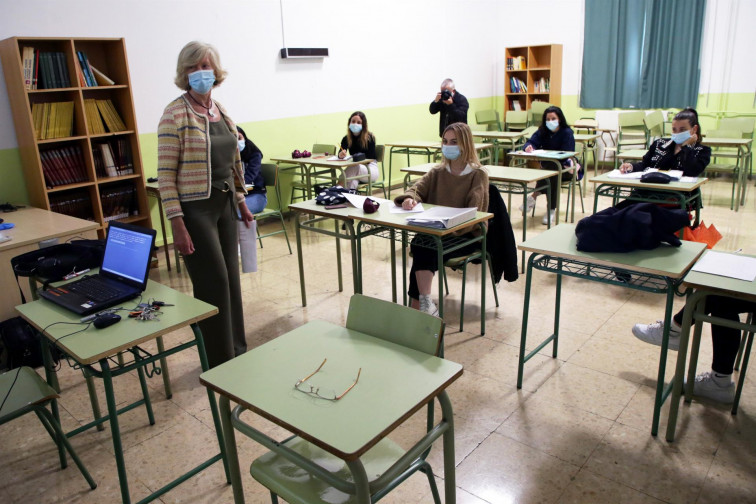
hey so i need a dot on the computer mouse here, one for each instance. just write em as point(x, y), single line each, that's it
point(106, 320)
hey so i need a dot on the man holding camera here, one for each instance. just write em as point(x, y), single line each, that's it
point(452, 105)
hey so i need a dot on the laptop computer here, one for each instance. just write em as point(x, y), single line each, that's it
point(123, 272)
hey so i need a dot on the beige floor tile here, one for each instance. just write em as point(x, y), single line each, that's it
point(537, 421)
point(590, 488)
point(634, 458)
point(728, 483)
point(502, 470)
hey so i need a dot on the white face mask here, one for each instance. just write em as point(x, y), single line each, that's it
point(552, 125)
point(242, 144)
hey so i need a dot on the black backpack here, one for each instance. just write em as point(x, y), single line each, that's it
point(21, 346)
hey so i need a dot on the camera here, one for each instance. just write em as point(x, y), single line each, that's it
point(445, 94)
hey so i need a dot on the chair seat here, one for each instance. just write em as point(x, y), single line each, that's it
point(28, 389)
point(297, 486)
point(721, 167)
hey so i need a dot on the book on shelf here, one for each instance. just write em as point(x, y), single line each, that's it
point(53, 119)
point(542, 85)
point(63, 165)
point(73, 203)
point(441, 217)
point(44, 69)
point(89, 75)
point(517, 85)
point(118, 201)
point(102, 114)
point(101, 78)
point(515, 105)
point(113, 158)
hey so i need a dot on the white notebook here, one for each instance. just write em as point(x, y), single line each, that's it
point(441, 217)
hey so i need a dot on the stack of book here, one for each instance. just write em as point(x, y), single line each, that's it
point(542, 85)
point(102, 113)
point(88, 75)
point(53, 119)
point(113, 158)
point(63, 165)
point(516, 63)
point(517, 86)
point(44, 69)
point(118, 201)
point(73, 203)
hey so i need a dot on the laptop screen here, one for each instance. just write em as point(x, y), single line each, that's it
point(127, 252)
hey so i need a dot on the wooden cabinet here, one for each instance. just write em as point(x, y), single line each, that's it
point(64, 171)
point(532, 73)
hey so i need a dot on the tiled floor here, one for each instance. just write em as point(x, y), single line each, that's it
point(578, 431)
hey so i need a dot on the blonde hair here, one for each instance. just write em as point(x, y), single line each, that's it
point(465, 143)
point(190, 55)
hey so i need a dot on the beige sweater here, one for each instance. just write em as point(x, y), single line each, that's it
point(440, 187)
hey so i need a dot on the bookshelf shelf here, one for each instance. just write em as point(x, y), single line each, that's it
point(66, 174)
point(532, 67)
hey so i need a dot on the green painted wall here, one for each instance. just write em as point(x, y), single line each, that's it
point(412, 122)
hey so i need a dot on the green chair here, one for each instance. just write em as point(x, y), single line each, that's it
point(724, 160)
point(460, 263)
point(327, 479)
point(535, 114)
point(23, 391)
point(654, 123)
point(489, 118)
point(301, 183)
point(379, 150)
point(270, 175)
point(516, 120)
point(745, 126)
point(631, 133)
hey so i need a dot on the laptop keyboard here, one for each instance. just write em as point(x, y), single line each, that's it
point(93, 288)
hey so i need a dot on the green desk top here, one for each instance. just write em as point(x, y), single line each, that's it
point(394, 383)
point(384, 217)
point(320, 160)
point(495, 173)
point(726, 142)
point(426, 144)
point(633, 154)
point(312, 208)
point(93, 344)
point(547, 156)
point(720, 284)
point(665, 260)
point(499, 135)
point(586, 137)
point(672, 186)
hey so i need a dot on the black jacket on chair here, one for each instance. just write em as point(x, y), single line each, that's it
point(642, 226)
point(500, 239)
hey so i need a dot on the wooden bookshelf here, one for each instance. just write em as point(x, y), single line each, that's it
point(542, 64)
point(61, 173)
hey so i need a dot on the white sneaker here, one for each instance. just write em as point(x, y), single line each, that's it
point(531, 204)
point(548, 216)
point(706, 385)
point(652, 333)
point(428, 306)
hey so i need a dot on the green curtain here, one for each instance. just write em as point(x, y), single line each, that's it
point(641, 53)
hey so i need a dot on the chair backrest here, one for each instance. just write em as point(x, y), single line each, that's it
point(270, 174)
point(516, 120)
point(722, 133)
point(536, 112)
point(379, 149)
point(324, 149)
point(654, 123)
point(744, 125)
point(585, 123)
point(490, 118)
point(396, 323)
point(632, 119)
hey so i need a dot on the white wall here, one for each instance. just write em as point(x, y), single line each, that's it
point(383, 52)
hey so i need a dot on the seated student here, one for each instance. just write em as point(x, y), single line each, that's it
point(251, 156)
point(716, 384)
point(459, 181)
point(359, 140)
point(552, 134)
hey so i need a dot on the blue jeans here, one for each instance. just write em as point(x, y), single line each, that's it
point(256, 202)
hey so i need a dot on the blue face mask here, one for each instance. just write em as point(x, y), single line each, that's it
point(202, 81)
point(552, 125)
point(355, 128)
point(450, 152)
point(681, 137)
point(242, 144)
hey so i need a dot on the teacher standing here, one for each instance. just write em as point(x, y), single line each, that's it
point(201, 182)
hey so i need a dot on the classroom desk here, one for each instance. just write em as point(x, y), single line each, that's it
point(385, 224)
point(154, 191)
point(500, 139)
point(311, 166)
point(262, 380)
point(508, 179)
point(33, 225)
point(658, 271)
point(682, 193)
point(97, 346)
point(556, 158)
point(420, 148)
point(742, 158)
point(706, 285)
point(319, 214)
